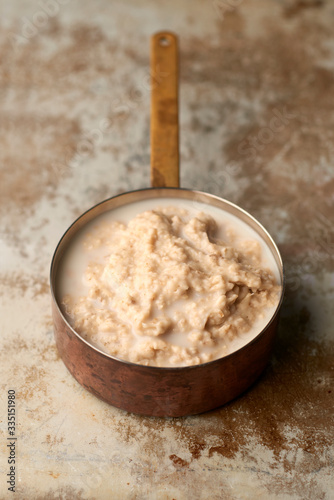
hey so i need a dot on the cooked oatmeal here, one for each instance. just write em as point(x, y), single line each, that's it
point(166, 290)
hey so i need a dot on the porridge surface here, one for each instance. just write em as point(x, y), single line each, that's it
point(172, 286)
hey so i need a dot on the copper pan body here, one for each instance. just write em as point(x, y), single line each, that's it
point(156, 391)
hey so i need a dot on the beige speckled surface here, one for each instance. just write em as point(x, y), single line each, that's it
point(257, 116)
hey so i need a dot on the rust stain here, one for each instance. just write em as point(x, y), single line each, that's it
point(52, 441)
point(196, 448)
point(54, 474)
point(42, 143)
point(297, 6)
point(36, 285)
point(45, 350)
point(178, 462)
point(34, 383)
point(228, 449)
point(42, 147)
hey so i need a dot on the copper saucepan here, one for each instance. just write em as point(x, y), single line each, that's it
point(149, 390)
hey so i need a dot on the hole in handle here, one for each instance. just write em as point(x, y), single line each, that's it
point(164, 41)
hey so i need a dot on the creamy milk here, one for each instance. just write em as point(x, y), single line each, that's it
point(80, 254)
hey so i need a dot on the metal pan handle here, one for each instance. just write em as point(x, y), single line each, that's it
point(164, 111)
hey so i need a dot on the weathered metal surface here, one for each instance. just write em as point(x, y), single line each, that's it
point(256, 128)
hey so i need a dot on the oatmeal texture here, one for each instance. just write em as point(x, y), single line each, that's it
point(167, 291)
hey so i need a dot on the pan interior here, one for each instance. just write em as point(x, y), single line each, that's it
point(153, 197)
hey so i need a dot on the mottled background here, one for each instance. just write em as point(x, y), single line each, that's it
point(257, 127)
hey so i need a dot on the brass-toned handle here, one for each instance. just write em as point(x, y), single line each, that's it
point(164, 110)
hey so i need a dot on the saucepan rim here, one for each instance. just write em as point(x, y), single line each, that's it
point(257, 224)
